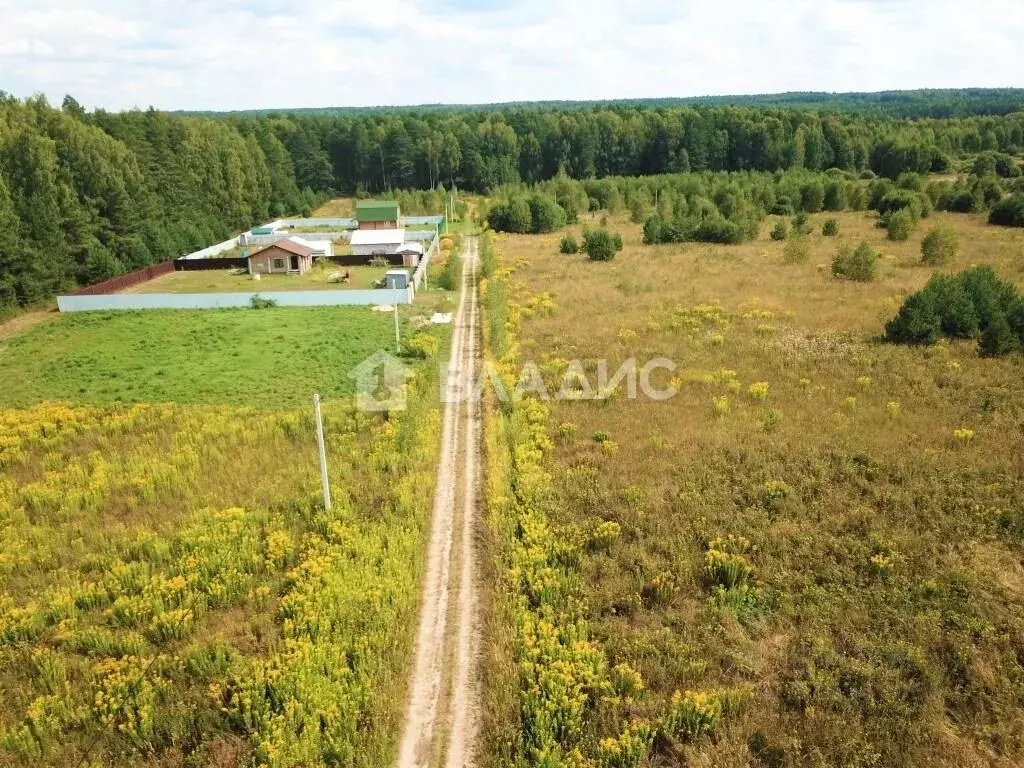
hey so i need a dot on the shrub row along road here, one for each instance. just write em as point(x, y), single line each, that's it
point(440, 723)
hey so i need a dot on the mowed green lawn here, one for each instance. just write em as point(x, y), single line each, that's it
point(266, 359)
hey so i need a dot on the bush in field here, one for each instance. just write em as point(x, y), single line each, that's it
point(568, 245)
point(1009, 212)
point(830, 228)
point(939, 246)
point(545, 215)
point(262, 302)
point(780, 231)
point(919, 204)
point(858, 264)
point(512, 215)
point(801, 225)
point(972, 304)
point(998, 337)
point(900, 225)
point(718, 230)
point(601, 245)
point(797, 251)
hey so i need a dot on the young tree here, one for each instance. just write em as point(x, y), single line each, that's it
point(900, 224)
point(939, 246)
point(780, 231)
point(601, 245)
point(860, 265)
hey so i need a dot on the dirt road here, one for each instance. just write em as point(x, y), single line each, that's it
point(440, 722)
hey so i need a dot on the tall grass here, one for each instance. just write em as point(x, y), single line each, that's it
point(171, 589)
point(819, 520)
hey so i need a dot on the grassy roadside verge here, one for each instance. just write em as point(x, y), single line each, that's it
point(546, 683)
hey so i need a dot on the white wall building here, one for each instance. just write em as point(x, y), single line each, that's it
point(377, 242)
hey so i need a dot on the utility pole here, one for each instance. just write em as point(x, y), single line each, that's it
point(398, 336)
point(325, 482)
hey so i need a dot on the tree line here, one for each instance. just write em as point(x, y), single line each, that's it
point(926, 102)
point(480, 150)
point(87, 195)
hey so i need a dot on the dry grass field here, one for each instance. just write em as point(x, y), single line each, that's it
point(821, 534)
point(338, 208)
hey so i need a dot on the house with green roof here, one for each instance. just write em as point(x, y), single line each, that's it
point(378, 214)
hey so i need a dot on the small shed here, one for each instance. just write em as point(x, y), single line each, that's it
point(378, 214)
point(396, 278)
point(411, 254)
point(281, 258)
point(377, 242)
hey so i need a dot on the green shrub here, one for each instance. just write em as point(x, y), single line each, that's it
point(1009, 212)
point(900, 224)
point(261, 302)
point(967, 305)
point(780, 231)
point(918, 321)
point(513, 215)
point(783, 206)
point(569, 245)
point(601, 245)
point(801, 225)
point(719, 230)
point(939, 246)
point(998, 338)
point(830, 228)
point(860, 264)
point(797, 251)
point(545, 215)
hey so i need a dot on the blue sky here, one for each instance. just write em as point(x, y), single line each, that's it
point(234, 54)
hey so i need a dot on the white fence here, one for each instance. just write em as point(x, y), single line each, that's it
point(125, 301)
point(421, 271)
point(343, 233)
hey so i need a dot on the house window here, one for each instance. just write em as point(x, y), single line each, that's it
point(278, 263)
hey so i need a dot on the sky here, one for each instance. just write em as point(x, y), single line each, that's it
point(260, 54)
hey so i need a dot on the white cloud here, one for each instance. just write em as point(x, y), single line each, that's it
point(232, 54)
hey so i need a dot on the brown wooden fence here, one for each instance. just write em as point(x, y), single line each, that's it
point(192, 265)
point(127, 280)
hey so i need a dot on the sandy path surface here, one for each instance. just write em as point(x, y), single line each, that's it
point(440, 723)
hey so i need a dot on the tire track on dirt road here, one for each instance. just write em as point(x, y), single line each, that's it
point(441, 713)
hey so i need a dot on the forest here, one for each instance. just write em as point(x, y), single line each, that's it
point(926, 102)
point(87, 195)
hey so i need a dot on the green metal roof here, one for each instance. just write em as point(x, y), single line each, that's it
point(375, 210)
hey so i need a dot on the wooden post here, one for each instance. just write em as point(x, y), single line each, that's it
point(323, 452)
